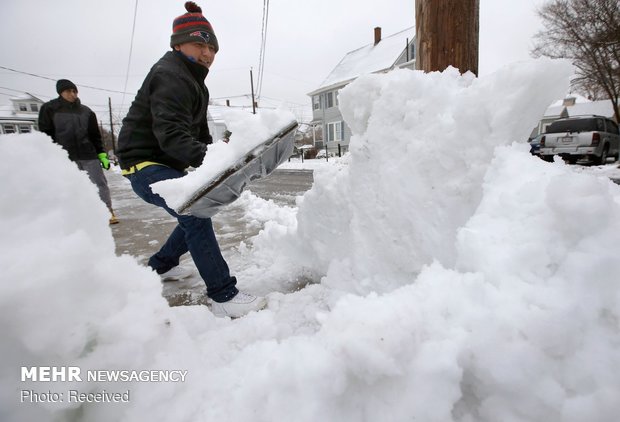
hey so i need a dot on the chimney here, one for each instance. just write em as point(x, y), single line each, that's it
point(569, 101)
point(377, 34)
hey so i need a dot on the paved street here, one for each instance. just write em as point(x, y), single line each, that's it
point(144, 228)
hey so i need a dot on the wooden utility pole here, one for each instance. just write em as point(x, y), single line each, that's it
point(112, 126)
point(447, 33)
point(252, 85)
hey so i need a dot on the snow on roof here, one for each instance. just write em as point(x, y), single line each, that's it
point(554, 111)
point(369, 59)
point(26, 96)
point(600, 108)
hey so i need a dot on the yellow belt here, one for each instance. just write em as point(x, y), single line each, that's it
point(139, 166)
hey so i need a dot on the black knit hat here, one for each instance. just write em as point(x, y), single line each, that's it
point(64, 84)
point(192, 27)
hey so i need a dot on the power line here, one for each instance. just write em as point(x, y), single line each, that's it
point(51, 79)
point(133, 30)
point(261, 59)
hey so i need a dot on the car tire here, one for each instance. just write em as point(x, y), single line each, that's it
point(603, 158)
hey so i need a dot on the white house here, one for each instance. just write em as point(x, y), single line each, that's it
point(383, 55)
point(22, 116)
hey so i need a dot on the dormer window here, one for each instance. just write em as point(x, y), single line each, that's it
point(22, 107)
point(34, 107)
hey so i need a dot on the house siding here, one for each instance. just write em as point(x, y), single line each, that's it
point(326, 115)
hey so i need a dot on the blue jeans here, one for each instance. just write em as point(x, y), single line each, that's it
point(192, 234)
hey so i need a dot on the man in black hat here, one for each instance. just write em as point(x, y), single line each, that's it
point(165, 132)
point(74, 127)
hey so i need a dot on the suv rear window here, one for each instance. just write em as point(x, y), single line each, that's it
point(576, 125)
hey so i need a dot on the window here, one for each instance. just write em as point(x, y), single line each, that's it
point(612, 127)
point(8, 128)
point(325, 100)
point(24, 128)
point(329, 100)
point(22, 107)
point(573, 125)
point(600, 125)
point(34, 107)
point(335, 131)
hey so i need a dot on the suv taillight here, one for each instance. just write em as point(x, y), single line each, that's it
point(542, 141)
point(596, 138)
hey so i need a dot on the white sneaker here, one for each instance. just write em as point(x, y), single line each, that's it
point(238, 306)
point(175, 274)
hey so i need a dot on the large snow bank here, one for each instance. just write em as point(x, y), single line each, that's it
point(463, 279)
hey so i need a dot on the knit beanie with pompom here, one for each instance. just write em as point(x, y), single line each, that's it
point(193, 27)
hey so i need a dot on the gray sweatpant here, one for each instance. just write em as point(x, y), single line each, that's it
point(95, 173)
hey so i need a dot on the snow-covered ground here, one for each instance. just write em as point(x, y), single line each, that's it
point(461, 279)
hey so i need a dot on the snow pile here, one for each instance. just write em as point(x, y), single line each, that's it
point(499, 271)
point(420, 150)
point(248, 132)
point(66, 299)
point(463, 279)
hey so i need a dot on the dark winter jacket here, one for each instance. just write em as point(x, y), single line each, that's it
point(167, 122)
point(73, 126)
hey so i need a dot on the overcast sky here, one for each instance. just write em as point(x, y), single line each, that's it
point(89, 42)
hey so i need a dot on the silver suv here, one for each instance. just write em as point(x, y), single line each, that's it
point(581, 137)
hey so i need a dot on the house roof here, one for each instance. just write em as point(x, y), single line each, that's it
point(600, 108)
point(26, 97)
point(368, 59)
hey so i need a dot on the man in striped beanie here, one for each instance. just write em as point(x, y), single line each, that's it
point(164, 133)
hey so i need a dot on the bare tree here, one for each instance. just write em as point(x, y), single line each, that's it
point(588, 33)
point(447, 34)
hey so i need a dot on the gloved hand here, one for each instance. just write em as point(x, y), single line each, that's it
point(105, 163)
